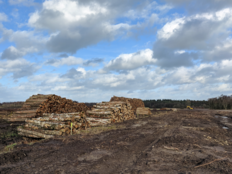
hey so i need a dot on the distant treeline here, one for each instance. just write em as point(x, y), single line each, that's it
point(168, 103)
point(222, 102)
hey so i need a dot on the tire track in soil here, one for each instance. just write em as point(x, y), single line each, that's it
point(124, 151)
point(41, 160)
point(130, 157)
point(149, 147)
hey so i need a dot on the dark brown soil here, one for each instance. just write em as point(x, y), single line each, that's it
point(8, 133)
point(182, 142)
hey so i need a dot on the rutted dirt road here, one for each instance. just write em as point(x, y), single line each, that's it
point(177, 142)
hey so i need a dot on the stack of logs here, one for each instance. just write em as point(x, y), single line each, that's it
point(58, 105)
point(21, 115)
point(28, 110)
point(142, 111)
point(39, 104)
point(51, 125)
point(135, 103)
point(4, 113)
point(55, 116)
point(35, 101)
point(116, 111)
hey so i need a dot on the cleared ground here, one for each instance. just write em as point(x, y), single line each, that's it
point(179, 142)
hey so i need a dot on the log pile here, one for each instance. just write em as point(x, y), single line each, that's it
point(135, 103)
point(58, 124)
point(51, 125)
point(36, 105)
point(143, 111)
point(21, 115)
point(4, 113)
point(116, 111)
point(28, 109)
point(35, 101)
point(58, 105)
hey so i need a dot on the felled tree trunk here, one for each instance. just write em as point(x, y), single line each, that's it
point(33, 133)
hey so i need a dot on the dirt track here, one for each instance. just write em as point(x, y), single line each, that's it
point(180, 142)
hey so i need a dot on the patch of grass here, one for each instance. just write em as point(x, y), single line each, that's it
point(97, 130)
point(36, 141)
point(9, 134)
point(10, 147)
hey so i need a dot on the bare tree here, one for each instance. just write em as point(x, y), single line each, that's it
point(224, 101)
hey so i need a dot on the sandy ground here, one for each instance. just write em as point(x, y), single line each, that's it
point(182, 142)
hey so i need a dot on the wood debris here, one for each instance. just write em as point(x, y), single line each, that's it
point(170, 148)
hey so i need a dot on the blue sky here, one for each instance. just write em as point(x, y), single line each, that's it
point(90, 50)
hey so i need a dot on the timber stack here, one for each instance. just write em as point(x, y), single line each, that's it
point(28, 109)
point(134, 102)
point(115, 111)
point(56, 104)
point(21, 115)
point(143, 111)
point(54, 117)
point(54, 124)
point(5, 112)
point(35, 101)
point(51, 125)
point(36, 105)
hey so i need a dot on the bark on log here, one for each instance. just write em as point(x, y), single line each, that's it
point(58, 118)
point(62, 115)
point(39, 135)
point(47, 132)
point(25, 112)
point(16, 119)
point(105, 107)
point(101, 110)
point(28, 135)
point(143, 111)
point(48, 125)
point(99, 113)
point(22, 116)
point(97, 121)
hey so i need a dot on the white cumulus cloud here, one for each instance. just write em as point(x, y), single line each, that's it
point(131, 61)
point(3, 17)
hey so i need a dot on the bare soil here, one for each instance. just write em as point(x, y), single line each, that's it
point(8, 133)
point(182, 142)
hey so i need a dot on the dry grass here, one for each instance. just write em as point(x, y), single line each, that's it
point(8, 148)
point(97, 130)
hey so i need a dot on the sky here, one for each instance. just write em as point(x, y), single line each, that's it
point(91, 50)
